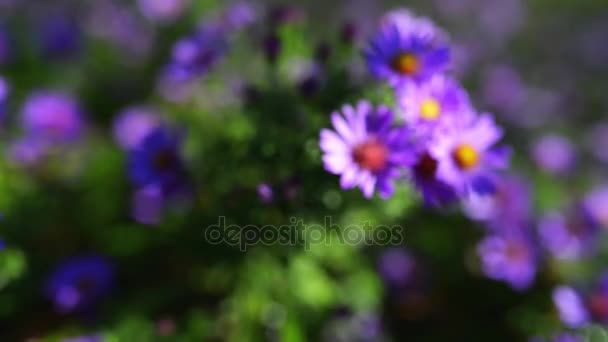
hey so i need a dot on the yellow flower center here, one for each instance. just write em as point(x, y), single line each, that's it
point(406, 63)
point(466, 157)
point(430, 109)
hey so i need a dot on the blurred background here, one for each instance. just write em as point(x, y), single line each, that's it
point(231, 96)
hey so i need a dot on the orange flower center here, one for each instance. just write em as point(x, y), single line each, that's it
point(466, 157)
point(406, 63)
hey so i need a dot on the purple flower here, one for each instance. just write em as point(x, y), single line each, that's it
point(406, 48)
point(596, 204)
point(439, 101)
point(238, 16)
point(597, 300)
point(566, 337)
point(365, 150)
point(503, 89)
point(60, 37)
point(435, 192)
point(509, 257)
point(147, 204)
point(134, 124)
point(4, 92)
point(195, 55)
point(265, 193)
point(156, 161)
point(162, 10)
point(568, 236)
point(570, 306)
point(79, 283)
point(507, 209)
point(396, 266)
point(52, 116)
point(28, 151)
point(554, 154)
point(467, 158)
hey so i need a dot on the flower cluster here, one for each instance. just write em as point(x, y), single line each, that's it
point(435, 137)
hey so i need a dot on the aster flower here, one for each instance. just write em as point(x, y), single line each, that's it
point(570, 306)
point(59, 37)
point(53, 117)
point(569, 236)
point(396, 266)
point(406, 48)
point(196, 54)
point(440, 100)
point(554, 154)
point(133, 124)
point(79, 283)
point(467, 158)
point(596, 204)
point(148, 204)
point(265, 193)
point(509, 257)
point(365, 150)
point(156, 160)
point(238, 16)
point(27, 151)
point(507, 209)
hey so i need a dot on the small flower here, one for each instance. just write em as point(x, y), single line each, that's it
point(554, 154)
point(510, 258)
point(79, 283)
point(28, 151)
point(507, 209)
point(365, 150)
point(148, 204)
point(569, 236)
point(467, 158)
point(53, 117)
point(396, 266)
point(406, 48)
point(570, 306)
point(196, 54)
point(440, 100)
point(596, 204)
point(133, 125)
point(156, 160)
point(265, 193)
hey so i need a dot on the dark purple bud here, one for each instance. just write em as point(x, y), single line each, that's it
point(349, 32)
point(272, 47)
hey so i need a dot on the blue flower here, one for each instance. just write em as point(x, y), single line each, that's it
point(156, 161)
point(407, 48)
point(80, 283)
